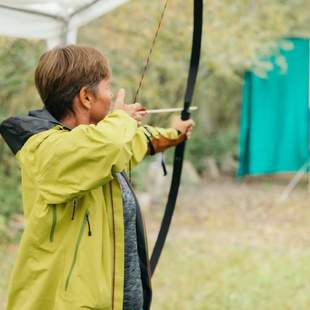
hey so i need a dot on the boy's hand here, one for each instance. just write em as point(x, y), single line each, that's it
point(135, 110)
point(185, 127)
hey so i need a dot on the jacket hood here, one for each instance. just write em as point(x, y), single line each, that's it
point(17, 130)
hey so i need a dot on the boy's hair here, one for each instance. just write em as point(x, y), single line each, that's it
point(63, 71)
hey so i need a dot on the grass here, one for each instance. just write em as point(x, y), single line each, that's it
point(235, 247)
point(195, 277)
point(232, 246)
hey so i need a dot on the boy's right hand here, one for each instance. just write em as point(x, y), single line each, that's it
point(135, 110)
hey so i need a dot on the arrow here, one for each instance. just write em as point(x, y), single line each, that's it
point(169, 110)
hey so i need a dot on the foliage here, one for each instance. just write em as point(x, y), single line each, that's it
point(17, 94)
point(17, 62)
point(216, 145)
point(10, 195)
point(236, 34)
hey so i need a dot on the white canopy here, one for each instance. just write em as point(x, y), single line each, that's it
point(55, 21)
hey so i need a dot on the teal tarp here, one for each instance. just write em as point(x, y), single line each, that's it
point(274, 133)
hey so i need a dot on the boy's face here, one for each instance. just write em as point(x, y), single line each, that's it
point(101, 103)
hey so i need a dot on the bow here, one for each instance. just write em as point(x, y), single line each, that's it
point(180, 149)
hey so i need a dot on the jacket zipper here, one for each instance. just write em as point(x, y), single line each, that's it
point(88, 224)
point(54, 221)
point(113, 222)
point(73, 209)
point(85, 219)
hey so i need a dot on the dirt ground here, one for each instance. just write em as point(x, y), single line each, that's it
point(232, 245)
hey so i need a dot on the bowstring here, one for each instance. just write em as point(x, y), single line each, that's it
point(147, 62)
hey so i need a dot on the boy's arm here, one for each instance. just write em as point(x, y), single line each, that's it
point(151, 140)
point(159, 139)
point(73, 162)
point(148, 139)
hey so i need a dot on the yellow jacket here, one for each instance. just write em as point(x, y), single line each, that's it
point(71, 254)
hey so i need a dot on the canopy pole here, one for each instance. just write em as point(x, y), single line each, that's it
point(67, 36)
point(308, 116)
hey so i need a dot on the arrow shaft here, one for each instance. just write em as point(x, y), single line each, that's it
point(170, 110)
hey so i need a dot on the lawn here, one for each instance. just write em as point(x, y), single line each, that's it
point(235, 246)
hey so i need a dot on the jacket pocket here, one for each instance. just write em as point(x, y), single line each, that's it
point(76, 250)
point(84, 284)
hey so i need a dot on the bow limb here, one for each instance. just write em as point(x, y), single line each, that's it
point(180, 149)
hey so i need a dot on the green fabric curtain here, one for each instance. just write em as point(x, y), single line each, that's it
point(274, 133)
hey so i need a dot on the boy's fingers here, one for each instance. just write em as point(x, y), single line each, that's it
point(141, 112)
point(139, 116)
point(139, 107)
point(120, 97)
point(191, 122)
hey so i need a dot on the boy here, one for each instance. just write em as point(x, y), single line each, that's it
point(84, 243)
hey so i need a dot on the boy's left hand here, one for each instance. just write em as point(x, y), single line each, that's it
point(185, 127)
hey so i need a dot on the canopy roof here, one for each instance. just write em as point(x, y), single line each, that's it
point(55, 21)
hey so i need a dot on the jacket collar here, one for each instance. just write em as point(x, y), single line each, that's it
point(17, 130)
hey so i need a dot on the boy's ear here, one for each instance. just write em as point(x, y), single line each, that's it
point(85, 97)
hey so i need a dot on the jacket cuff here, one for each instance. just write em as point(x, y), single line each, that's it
point(160, 144)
